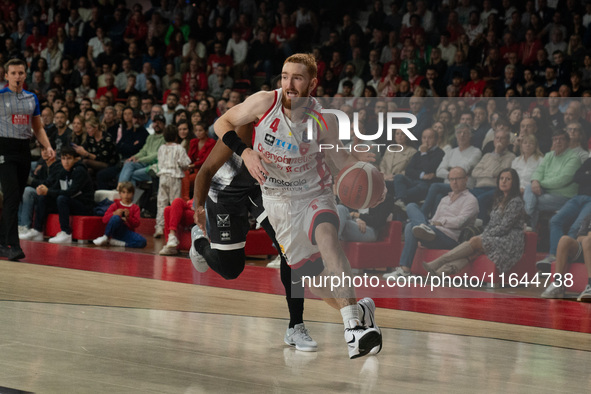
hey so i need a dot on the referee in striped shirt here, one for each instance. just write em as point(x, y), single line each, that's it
point(19, 120)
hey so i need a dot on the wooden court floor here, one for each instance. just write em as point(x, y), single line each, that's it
point(65, 328)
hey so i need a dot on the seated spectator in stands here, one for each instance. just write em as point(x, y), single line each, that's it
point(171, 106)
point(136, 30)
point(443, 136)
point(503, 239)
point(78, 135)
point(572, 250)
point(147, 72)
point(52, 55)
point(570, 216)
point(480, 125)
point(394, 163)
point(528, 161)
point(135, 169)
point(420, 172)
point(85, 90)
point(122, 218)
point(474, 87)
point(465, 156)
point(455, 211)
point(69, 193)
point(218, 57)
point(363, 225)
point(46, 170)
point(487, 170)
point(172, 162)
point(388, 85)
point(38, 85)
point(154, 58)
point(578, 140)
point(219, 81)
point(61, 136)
point(179, 213)
point(349, 75)
point(129, 89)
point(99, 150)
point(199, 150)
point(109, 87)
point(552, 184)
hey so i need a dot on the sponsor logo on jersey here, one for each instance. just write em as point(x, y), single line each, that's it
point(304, 147)
point(20, 119)
point(288, 146)
point(284, 183)
point(223, 220)
point(225, 235)
point(269, 139)
point(284, 159)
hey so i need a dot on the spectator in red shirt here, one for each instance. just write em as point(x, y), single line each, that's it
point(196, 73)
point(284, 35)
point(199, 150)
point(218, 57)
point(475, 86)
point(36, 41)
point(110, 87)
point(137, 29)
point(528, 50)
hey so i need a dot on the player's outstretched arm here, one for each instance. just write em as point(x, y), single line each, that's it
point(250, 111)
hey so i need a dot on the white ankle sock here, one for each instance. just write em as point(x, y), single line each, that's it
point(350, 314)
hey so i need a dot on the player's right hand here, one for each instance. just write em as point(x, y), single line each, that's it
point(252, 161)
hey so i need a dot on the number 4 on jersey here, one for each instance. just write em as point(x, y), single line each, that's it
point(275, 125)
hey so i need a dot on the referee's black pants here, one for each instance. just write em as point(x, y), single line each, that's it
point(15, 165)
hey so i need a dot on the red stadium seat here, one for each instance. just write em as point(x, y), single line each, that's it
point(383, 253)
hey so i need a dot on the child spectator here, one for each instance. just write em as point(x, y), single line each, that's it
point(70, 193)
point(122, 218)
point(172, 161)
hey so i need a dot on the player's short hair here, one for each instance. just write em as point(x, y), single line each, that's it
point(127, 186)
point(307, 59)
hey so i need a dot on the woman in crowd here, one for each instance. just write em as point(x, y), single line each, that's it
point(199, 150)
point(444, 136)
point(530, 158)
point(99, 150)
point(186, 134)
point(503, 238)
point(78, 136)
point(85, 90)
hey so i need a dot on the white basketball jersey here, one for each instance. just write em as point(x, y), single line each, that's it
point(298, 167)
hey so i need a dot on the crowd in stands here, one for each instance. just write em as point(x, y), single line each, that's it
point(493, 84)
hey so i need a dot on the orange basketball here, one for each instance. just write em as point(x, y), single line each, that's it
point(360, 185)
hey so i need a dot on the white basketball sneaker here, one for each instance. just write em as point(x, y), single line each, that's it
point(299, 337)
point(361, 340)
point(368, 319)
point(198, 261)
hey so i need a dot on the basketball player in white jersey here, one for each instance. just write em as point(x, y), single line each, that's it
point(297, 193)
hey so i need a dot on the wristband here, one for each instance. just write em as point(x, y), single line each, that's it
point(234, 142)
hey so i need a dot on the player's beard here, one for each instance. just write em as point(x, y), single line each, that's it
point(287, 101)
